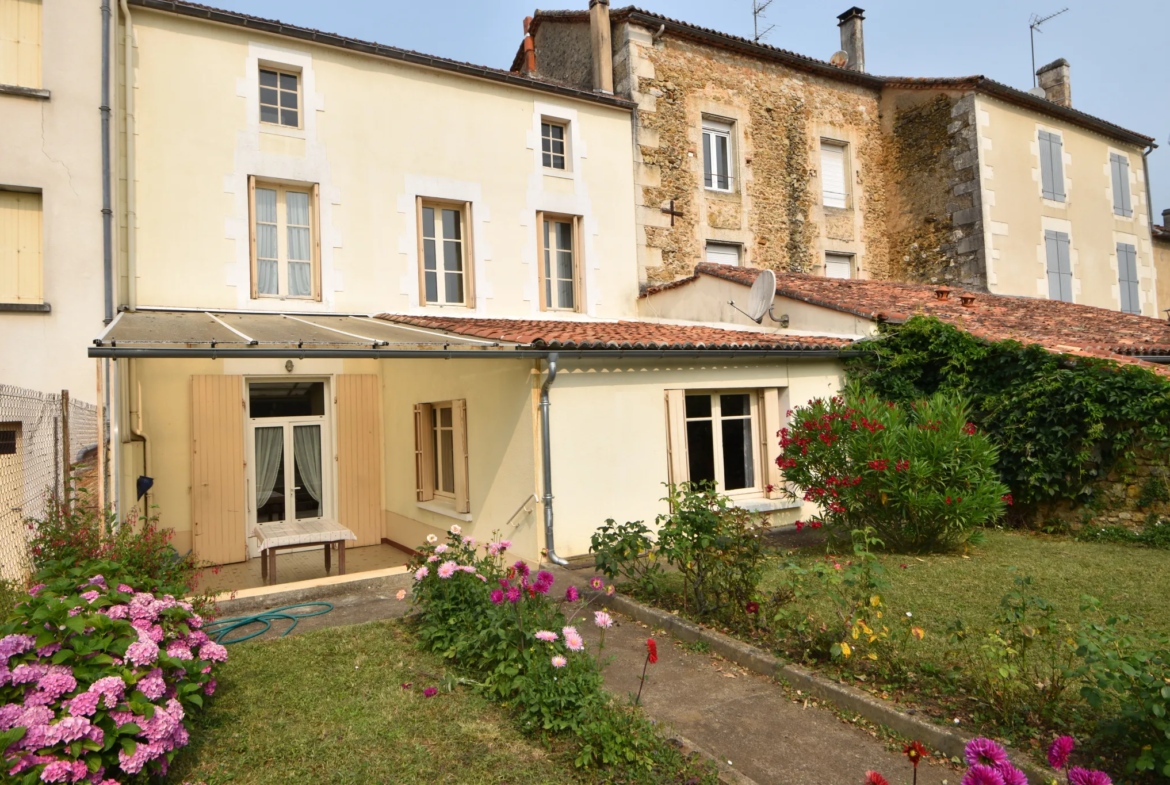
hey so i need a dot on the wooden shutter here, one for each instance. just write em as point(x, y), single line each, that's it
point(1128, 278)
point(1056, 247)
point(459, 421)
point(676, 436)
point(424, 455)
point(252, 233)
point(21, 254)
point(1052, 166)
point(315, 224)
point(579, 264)
point(218, 469)
point(359, 456)
point(773, 421)
point(468, 257)
point(20, 43)
point(422, 265)
point(1119, 168)
point(540, 251)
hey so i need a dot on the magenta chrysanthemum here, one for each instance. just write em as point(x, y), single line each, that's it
point(1011, 775)
point(1079, 776)
point(982, 775)
point(986, 752)
point(1060, 750)
point(497, 596)
point(571, 594)
point(513, 594)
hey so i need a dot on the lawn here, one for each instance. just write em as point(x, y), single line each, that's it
point(329, 707)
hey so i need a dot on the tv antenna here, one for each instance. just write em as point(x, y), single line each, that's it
point(758, 9)
point(760, 299)
point(1033, 28)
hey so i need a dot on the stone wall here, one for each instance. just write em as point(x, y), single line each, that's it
point(1130, 496)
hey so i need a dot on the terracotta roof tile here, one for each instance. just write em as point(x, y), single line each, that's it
point(1060, 327)
point(564, 334)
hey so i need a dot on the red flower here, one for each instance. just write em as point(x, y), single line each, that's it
point(1007, 497)
point(752, 607)
point(969, 429)
point(873, 778)
point(652, 650)
point(915, 752)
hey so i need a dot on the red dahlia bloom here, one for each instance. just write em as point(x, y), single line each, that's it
point(873, 778)
point(652, 650)
point(914, 751)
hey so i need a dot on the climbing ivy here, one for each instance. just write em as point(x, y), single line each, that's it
point(1060, 422)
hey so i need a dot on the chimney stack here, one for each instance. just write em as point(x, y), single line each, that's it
point(599, 34)
point(852, 41)
point(1055, 82)
point(1166, 219)
point(529, 67)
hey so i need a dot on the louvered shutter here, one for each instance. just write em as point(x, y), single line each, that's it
point(218, 469)
point(1052, 166)
point(676, 437)
point(424, 455)
point(1056, 246)
point(1119, 168)
point(459, 423)
point(1128, 278)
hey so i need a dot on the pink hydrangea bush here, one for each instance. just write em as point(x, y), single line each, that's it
point(97, 679)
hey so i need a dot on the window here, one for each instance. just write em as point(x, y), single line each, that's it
point(287, 421)
point(441, 453)
point(560, 269)
point(834, 183)
point(721, 439)
point(1119, 168)
point(20, 43)
point(1052, 166)
point(20, 247)
point(444, 254)
point(723, 253)
point(1128, 278)
point(280, 98)
point(838, 265)
point(717, 172)
point(285, 241)
point(1059, 267)
point(8, 438)
point(552, 144)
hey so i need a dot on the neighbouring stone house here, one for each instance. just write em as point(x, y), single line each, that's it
point(751, 155)
point(1161, 238)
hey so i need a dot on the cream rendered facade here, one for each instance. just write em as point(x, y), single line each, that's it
point(1016, 213)
point(378, 135)
point(52, 155)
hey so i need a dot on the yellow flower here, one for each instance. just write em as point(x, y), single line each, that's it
point(875, 600)
point(879, 614)
point(872, 656)
point(845, 650)
point(856, 633)
point(918, 632)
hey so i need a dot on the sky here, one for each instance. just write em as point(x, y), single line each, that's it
point(1115, 67)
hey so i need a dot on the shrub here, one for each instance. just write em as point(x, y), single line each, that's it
point(626, 551)
point(920, 476)
point(98, 677)
point(1153, 491)
point(1155, 534)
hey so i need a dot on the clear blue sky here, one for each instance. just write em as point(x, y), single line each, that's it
point(1117, 71)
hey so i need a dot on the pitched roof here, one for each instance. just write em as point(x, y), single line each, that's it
point(593, 335)
point(1064, 328)
point(276, 27)
point(823, 68)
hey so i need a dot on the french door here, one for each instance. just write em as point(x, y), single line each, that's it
point(289, 476)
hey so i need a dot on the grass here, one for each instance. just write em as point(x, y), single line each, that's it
point(328, 707)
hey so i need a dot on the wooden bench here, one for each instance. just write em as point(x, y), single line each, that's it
point(299, 534)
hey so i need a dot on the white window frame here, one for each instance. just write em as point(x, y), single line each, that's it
point(842, 200)
point(728, 246)
point(849, 259)
point(758, 474)
point(713, 131)
point(564, 154)
point(300, 107)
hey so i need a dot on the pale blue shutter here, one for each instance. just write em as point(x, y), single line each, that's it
point(1059, 265)
point(1119, 168)
point(1128, 278)
point(1052, 166)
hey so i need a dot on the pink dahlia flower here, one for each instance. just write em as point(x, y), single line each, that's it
point(602, 619)
point(573, 639)
point(1011, 775)
point(1079, 776)
point(985, 751)
point(559, 662)
point(982, 775)
point(546, 635)
point(1060, 750)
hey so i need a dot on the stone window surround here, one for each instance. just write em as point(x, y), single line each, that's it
point(741, 154)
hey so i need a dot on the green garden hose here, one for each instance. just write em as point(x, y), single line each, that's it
point(218, 629)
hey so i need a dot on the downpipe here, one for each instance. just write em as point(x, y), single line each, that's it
point(107, 193)
point(546, 462)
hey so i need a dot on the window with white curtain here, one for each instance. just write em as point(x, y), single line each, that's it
point(718, 170)
point(722, 431)
point(560, 271)
point(285, 260)
point(444, 256)
point(834, 183)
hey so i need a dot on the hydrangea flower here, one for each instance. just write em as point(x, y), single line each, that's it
point(84, 704)
point(111, 688)
point(144, 651)
point(64, 771)
point(213, 652)
point(152, 686)
point(16, 644)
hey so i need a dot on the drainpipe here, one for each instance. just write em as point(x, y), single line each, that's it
point(131, 204)
point(136, 434)
point(1150, 214)
point(546, 460)
point(107, 209)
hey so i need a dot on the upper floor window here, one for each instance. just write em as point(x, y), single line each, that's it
point(560, 270)
point(552, 144)
point(20, 248)
point(834, 183)
point(20, 43)
point(280, 98)
point(723, 253)
point(1128, 278)
point(1052, 166)
point(1119, 169)
point(446, 274)
point(717, 161)
point(1056, 247)
point(838, 265)
point(285, 242)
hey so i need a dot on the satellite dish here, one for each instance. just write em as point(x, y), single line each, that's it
point(761, 295)
point(840, 59)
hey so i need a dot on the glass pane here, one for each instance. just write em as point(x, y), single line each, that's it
point(451, 225)
point(300, 280)
point(698, 406)
point(269, 474)
point(558, 147)
point(558, 131)
point(266, 241)
point(267, 280)
point(558, 162)
point(298, 208)
point(298, 244)
point(307, 470)
point(565, 264)
point(432, 284)
point(707, 160)
point(288, 82)
point(565, 293)
point(738, 469)
point(454, 287)
point(721, 158)
point(446, 475)
point(267, 96)
point(547, 159)
point(452, 256)
point(445, 416)
point(288, 100)
point(564, 236)
point(269, 114)
point(266, 205)
point(428, 222)
point(429, 256)
point(286, 399)
point(700, 451)
point(267, 78)
point(288, 117)
point(739, 405)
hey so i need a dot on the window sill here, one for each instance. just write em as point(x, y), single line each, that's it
point(282, 130)
point(25, 307)
point(767, 505)
point(24, 92)
point(564, 174)
point(444, 508)
point(1059, 204)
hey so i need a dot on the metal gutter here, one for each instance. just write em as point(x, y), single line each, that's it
point(377, 50)
point(131, 173)
point(464, 354)
point(546, 462)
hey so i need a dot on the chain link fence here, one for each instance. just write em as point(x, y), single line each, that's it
point(43, 441)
